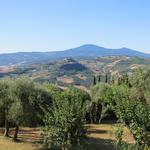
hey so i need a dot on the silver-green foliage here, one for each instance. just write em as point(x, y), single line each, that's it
point(64, 122)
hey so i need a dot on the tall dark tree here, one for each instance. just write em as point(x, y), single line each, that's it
point(99, 78)
point(94, 80)
point(106, 78)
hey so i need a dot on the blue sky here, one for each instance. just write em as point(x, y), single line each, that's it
point(48, 25)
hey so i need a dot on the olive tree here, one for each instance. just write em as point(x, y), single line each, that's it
point(30, 102)
point(134, 113)
point(101, 97)
point(64, 122)
point(6, 100)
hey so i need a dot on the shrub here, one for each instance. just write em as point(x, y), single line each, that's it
point(64, 122)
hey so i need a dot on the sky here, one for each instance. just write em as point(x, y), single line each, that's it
point(49, 25)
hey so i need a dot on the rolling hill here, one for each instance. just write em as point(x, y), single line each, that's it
point(85, 51)
point(78, 71)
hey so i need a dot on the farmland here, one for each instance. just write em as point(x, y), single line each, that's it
point(70, 71)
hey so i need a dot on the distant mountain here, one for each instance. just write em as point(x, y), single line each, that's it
point(84, 51)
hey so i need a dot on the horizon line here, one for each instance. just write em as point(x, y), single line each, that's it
point(40, 51)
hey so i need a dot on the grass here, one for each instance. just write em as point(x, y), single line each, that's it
point(98, 137)
point(29, 139)
point(7, 144)
point(102, 136)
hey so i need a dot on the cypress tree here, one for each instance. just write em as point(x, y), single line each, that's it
point(106, 78)
point(99, 78)
point(94, 80)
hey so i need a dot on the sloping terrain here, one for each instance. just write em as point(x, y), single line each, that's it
point(84, 51)
point(115, 64)
point(78, 72)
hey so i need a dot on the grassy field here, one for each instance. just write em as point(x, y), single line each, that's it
point(99, 137)
point(29, 139)
point(102, 136)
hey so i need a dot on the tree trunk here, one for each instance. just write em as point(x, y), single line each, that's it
point(99, 108)
point(16, 133)
point(91, 118)
point(64, 148)
point(101, 114)
point(6, 133)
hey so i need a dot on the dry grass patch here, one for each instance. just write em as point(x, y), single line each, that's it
point(6, 69)
point(29, 139)
point(80, 76)
point(65, 79)
point(102, 136)
point(106, 131)
point(99, 137)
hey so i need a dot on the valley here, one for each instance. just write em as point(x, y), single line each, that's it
point(75, 71)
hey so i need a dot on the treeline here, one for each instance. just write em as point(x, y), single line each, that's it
point(128, 98)
point(64, 113)
point(23, 102)
point(60, 113)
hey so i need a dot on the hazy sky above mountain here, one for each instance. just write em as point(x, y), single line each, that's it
point(47, 25)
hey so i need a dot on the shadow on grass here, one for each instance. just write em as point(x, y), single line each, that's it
point(94, 131)
point(94, 144)
point(99, 144)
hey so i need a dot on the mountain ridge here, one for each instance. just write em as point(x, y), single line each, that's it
point(87, 50)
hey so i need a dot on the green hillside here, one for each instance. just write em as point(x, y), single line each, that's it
point(78, 72)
